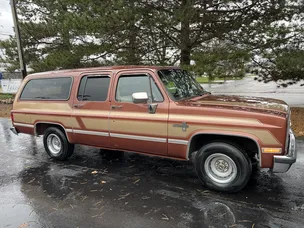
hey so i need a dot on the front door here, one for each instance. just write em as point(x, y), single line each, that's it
point(91, 110)
point(139, 127)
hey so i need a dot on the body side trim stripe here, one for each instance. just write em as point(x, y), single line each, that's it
point(24, 125)
point(178, 141)
point(144, 138)
point(98, 133)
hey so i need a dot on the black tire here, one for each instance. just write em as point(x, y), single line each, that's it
point(65, 149)
point(255, 166)
point(217, 155)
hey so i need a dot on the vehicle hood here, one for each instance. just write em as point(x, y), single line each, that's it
point(244, 103)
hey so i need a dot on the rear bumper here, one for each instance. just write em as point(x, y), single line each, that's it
point(283, 163)
point(14, 130)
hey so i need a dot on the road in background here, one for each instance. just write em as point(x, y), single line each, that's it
point(292, 95)
point(92, 189)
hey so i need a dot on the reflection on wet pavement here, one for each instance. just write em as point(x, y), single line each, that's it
point(95, 189)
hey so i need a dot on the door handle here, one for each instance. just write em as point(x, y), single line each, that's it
point(116, 106)
point(77, 105)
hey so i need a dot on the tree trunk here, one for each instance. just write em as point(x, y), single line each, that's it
point(132, 54)
point(185, 33)
point(185, 55)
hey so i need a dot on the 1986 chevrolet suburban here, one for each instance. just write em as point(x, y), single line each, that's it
point(158, 111)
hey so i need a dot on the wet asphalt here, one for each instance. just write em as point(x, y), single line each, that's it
point(248, 86)
point(94, 189)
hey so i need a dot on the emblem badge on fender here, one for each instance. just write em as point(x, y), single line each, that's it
point(183, 125)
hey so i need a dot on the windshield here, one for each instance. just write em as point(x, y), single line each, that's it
point(180, 84)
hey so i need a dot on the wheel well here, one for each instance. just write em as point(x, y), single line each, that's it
point(41, 127)
point(249, 145)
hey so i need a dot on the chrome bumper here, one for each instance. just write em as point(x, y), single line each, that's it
point(283, 163)
point(14, 130)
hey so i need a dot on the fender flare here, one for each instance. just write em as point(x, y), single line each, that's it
point(254, 139)
point(52, 123)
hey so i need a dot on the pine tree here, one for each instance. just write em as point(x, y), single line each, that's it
point(211, 37)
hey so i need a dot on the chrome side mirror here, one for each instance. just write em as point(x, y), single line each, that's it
point(140, 98)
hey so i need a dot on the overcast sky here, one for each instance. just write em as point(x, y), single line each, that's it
point(6, 20)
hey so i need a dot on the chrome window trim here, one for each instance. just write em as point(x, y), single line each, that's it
point(242, 136)
point(136, 137)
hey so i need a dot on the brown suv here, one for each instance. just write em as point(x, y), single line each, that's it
point(159, 111)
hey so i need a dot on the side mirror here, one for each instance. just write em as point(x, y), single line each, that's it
point(140, 98)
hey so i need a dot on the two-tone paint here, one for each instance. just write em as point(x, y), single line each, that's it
point(130, 127)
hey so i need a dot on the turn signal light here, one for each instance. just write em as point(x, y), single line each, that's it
point(272, 150)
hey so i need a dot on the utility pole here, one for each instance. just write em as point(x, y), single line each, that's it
point(18, 38)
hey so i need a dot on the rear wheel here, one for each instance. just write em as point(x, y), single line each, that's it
point(223, 167)
point(56, 144)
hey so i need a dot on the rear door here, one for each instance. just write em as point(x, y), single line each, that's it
point(91, 109)
point(132, 126)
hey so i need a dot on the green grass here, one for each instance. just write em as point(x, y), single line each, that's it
point(4, 96)
point(206, 80)
point(202, 79)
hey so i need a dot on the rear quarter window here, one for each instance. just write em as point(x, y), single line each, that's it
point(47, 89)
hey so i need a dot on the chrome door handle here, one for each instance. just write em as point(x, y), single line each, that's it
point(77, 105)
point(116, 106)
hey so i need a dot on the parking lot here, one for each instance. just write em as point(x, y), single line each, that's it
point(93, 189)
point(292, 95)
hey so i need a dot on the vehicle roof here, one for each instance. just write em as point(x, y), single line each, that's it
point(75, 72)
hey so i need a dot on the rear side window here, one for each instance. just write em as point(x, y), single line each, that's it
point(93, 88)
point(47, 89)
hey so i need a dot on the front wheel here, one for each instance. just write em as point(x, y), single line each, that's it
point(223, 167)
point(56, 144)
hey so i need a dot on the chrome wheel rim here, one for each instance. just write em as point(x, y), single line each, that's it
point(220, 168)
point(54, 144)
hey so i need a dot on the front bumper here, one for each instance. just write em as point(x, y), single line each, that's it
point(283, 163)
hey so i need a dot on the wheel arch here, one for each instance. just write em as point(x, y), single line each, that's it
point(194, 143)
point(41, 126)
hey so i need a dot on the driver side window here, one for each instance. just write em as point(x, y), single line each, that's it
point(129, 84)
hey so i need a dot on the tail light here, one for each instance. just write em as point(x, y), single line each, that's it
point(12, 117)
